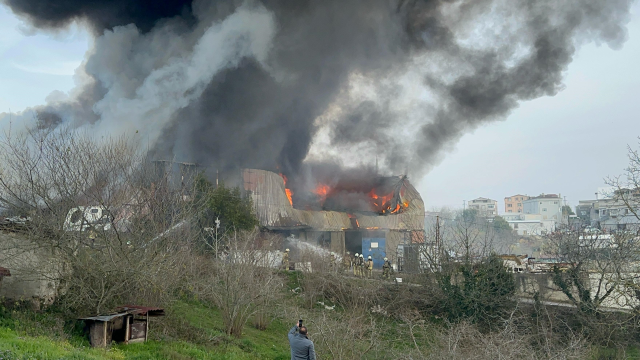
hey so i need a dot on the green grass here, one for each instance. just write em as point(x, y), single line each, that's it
point(210, 341)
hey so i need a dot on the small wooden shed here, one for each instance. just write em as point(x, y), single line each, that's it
point(129, 324)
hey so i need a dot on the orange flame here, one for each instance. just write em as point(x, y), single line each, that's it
point(322, 190)
point(287, 190)
point(381, 202)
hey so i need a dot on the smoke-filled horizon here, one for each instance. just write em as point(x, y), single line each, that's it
point(273, 83)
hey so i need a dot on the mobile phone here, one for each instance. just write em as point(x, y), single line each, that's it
point(300, 323)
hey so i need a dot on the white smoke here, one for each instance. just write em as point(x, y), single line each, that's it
point(148, 77)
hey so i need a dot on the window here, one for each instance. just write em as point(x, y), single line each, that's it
point(515, 226)
point(544, 209)
point(555, 203)
point(509, 205)
point(490, 206)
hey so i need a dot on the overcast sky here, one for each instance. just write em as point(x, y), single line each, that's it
point(564, 144)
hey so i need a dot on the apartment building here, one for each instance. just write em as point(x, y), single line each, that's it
point(485, 207)
point(513, 204)
point(549, 206)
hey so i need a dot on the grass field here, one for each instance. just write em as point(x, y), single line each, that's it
point(24, 338)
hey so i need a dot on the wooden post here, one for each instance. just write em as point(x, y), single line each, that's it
point(104, 334)
point(127, 331)
point(146, 333)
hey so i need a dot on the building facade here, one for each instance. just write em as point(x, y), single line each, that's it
point(485, 207)
point(530, 224)
point(513, 204)
point(365, 233)
point(549, 206)
point(609, 215)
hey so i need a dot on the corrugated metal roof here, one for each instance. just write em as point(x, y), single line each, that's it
point(274, 210)
point(104, 317)
point(141, 310)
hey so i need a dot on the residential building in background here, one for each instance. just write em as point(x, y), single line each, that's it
point(606, 214)
point(549, 206)
point(530, 224)
point(513, 204)
point(485, 207)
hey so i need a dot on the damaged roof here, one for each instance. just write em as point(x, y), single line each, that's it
point(274, 211)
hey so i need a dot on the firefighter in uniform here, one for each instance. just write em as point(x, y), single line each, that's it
point(354, 263)
point(361, 266)
point(332, 264)
point(369, 268)
point(346, 262)
point(386, 269)
point(285, 260)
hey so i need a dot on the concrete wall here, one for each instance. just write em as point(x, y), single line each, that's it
point(549, 208)
point(34, 272)
point(528, 283)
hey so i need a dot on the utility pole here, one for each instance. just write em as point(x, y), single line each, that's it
point(464, 204)
point(437, 241)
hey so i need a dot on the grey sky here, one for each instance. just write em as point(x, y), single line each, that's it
point(565, 144)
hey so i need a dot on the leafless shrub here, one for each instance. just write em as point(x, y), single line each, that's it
point(347, 293)
point(345, 335)
point(464, 341)
point(239, 286)
point(135, 251)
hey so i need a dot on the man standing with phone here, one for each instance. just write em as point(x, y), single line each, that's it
point(301, 346)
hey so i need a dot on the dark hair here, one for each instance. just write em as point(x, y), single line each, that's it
point(303, 330)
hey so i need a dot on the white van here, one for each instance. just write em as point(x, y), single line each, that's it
point(83, 218)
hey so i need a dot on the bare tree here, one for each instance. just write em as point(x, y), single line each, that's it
point(243, 283)
point(134, 246)
point(627, 185)
point(594, 268)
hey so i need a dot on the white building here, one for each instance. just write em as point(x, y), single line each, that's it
point(607, 214)
point(485, 207)
point(530, 224)
point(549, 206)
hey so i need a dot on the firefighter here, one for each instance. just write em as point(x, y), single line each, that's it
point(369, 267)
point(285, 260)
point(346, 262)
point(361, 266)
point(386, 269)
point(354, 263)
point(332, 263)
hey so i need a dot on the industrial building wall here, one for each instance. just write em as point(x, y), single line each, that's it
point(337, 242)
point(33, 269)
point(395, 238)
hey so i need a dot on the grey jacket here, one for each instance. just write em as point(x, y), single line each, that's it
point(301, 346)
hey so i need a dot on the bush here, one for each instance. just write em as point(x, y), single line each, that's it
point(481, 293)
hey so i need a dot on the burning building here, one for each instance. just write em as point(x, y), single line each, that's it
point(377, 218)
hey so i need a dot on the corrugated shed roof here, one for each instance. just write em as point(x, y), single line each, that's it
point(274, 210)
point(104, 317)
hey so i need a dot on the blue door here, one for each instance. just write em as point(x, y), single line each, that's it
point(374, 247)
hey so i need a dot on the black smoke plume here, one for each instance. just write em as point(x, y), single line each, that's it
point(274, 83)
